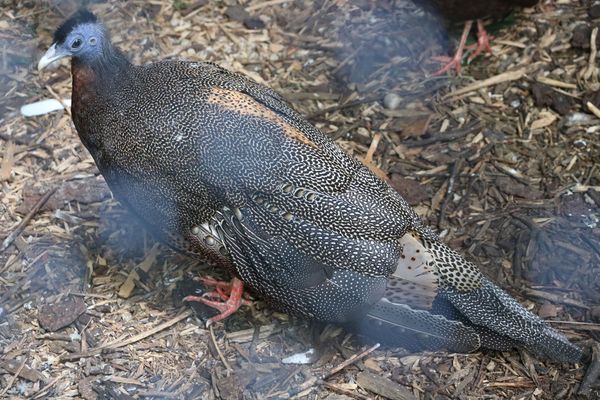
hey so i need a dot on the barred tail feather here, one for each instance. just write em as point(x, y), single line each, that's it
point(401, 325)
point(493, 308)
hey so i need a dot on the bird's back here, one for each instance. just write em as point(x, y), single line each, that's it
point(463, 10)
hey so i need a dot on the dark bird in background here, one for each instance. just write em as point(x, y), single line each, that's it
point(467, 11)
point(220, 166)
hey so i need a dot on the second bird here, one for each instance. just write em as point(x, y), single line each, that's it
point(467, 11)
point(218, 165)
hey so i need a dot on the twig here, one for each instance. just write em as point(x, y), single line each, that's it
point(372, 148)
point(19, 229)
point(129, 284)
point(120, 343)
point(43, 390)
point(595, 110)
point(555, 83)
point(351, 360)
point(456, 167)
point(13, 378)
point(591, 68)
point(346, 60)
point(124, 342)
point(593, 372)
point(157, 393)
point(315, 381)
point(284, 382)
point(221, 356)
point(8, 161)
point(576, 325)
point(556, 299)
point(60, 100)
point(339, 107)
point(444, 137)
point(268, 3)
point(337, 388)
point(494, 80)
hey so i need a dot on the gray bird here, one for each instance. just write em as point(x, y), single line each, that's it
point(220, 166)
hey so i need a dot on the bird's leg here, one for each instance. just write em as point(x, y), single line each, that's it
point(483, 41)
point(222, 289)
point(231, 301)
point(213, 282)
point(455, 62)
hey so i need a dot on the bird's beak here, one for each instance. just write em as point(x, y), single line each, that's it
point(51, 55)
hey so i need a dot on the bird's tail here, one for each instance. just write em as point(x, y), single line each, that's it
point(509, 323)
point(438, 299)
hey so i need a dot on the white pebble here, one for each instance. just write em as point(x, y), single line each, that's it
point(391, 101)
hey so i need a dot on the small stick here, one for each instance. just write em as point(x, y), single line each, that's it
point(43, 390)
point(221, 356)
point(120, 342)
point(19, 229)
point(593, 372)
point(8, 162)
point(593, 109)
point(589, 71)
point(576, 325)
point(456, 167)
point(351, 360)
point(14, 378)
point(555, 298)
point(320, 380)
point(60, 100)
point(494, 80)
point(337, 388)
point(556, 83)
point(268, 3)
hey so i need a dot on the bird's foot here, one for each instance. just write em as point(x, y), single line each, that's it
point(455, 62)
point(451, 63)
point(483, 42)
point(230, 293)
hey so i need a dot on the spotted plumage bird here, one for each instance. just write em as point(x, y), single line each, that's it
point(220, 166)
point(467, 11)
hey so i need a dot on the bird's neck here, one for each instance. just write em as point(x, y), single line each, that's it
point(96, 82)
point(102, 70)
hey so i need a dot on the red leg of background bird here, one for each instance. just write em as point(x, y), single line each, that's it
point(229, 306)
point(456, 61)
point(483, 41)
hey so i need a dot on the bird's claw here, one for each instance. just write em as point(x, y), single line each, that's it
point(230, 302)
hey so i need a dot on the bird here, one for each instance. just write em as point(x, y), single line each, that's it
point(467, 11)
point(219, 166)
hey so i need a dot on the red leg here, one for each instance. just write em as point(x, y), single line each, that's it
point(483, 41)
point(207, 281)
point(456, 61)
point(230, 304)
point(218, 293)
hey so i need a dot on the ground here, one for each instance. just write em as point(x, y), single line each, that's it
point(502, 161)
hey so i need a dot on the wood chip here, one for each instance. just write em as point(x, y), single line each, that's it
point(383, 386)
point(494, 80)
point(129, 284)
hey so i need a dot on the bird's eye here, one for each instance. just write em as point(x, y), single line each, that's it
point(76, 44)
point(92, 41)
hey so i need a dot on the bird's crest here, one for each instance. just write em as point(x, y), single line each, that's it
point(82, 16)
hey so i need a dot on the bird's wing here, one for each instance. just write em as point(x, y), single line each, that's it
point(310, 216)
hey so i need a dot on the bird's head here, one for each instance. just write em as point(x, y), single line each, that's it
point(81, 36)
